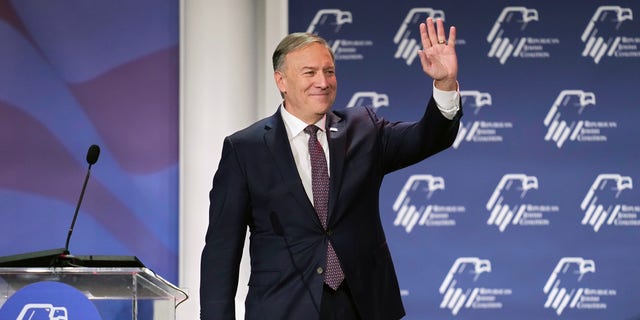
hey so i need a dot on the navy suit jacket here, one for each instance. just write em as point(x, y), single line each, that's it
point(257, 186)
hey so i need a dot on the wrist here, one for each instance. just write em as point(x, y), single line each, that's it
point(446, 84)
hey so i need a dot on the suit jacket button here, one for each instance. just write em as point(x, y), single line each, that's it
point(319, 270)
point(329, 232)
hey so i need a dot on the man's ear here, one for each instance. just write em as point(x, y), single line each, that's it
point(278, 76)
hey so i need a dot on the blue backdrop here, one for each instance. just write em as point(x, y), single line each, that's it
point(77, 73)
point(532, 214)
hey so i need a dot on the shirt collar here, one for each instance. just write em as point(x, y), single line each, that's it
point(294, 125)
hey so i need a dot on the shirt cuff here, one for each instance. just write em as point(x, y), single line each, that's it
point(447, 101)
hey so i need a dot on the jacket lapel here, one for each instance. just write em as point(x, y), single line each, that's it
point(275, 138)
point(337, 137)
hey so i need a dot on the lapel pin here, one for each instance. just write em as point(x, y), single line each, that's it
point(333, 129)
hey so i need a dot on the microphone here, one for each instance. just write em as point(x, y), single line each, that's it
point(92, 155)
point(92, 158)
point(279, 230)
point(55, 258)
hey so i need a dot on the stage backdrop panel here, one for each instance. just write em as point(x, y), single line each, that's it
point(73, 74)
point(533, 213)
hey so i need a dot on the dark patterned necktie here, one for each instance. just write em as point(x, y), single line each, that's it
point(333, 276)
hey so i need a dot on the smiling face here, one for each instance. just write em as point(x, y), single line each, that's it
point(308, 82)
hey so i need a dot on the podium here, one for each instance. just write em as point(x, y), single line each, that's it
point(116, 292)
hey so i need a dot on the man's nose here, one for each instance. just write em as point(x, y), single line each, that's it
point(322, 80)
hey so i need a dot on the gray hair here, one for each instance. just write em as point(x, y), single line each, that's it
point(295, 41)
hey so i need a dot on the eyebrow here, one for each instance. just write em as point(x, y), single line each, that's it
point(317, 68)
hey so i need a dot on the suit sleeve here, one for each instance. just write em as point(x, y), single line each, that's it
point(220, 263)
point(406, 143)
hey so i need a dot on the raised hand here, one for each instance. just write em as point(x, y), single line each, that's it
point(438, 54)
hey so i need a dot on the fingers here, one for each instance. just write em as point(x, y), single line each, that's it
point(452, 36)
point(424, 37)
point(432, 34)
point(431, 31)
point(442, 38)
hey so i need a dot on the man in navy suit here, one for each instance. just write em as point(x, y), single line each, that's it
point(317, 246)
